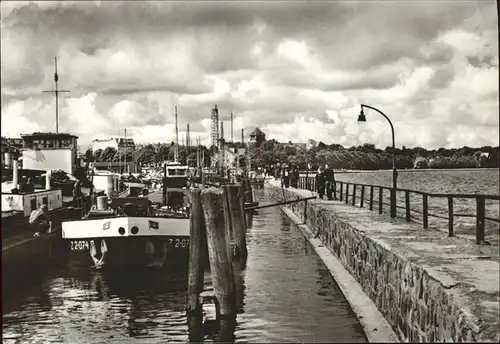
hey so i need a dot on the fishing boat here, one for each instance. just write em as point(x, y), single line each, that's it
point(134, 232)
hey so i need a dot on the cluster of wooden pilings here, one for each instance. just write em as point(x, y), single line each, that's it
point(218, 225)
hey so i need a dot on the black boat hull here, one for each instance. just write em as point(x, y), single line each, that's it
point(128, 252)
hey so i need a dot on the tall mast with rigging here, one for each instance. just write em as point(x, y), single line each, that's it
point(56, 92)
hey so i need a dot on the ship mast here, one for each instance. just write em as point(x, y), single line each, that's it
point(176, 151)
point(56, 92)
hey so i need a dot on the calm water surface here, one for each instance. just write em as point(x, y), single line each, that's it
point(289, 296)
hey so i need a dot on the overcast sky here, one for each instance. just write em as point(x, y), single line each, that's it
point(297, 70)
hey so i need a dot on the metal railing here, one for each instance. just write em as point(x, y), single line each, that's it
point(347, 192)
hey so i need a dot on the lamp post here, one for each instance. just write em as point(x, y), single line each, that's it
point(362, 118)
point(306, 161)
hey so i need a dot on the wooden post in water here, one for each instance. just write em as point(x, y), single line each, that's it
point(228, 221)
point(197, 253)
point(248, 198)
point(221, 268)
point(237, 213)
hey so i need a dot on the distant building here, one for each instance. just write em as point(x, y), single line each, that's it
point(117, 166)
point(116, 143)
point(232, 156)
point(311, 144)
point(301, 145)
point(257, 136)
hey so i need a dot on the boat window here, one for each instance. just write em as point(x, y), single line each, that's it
point(181, 172)
point(33, 204)
point(45, 200)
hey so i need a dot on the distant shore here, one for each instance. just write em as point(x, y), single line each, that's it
point(408, 170)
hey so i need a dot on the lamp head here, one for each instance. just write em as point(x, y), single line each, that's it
point(361, 117)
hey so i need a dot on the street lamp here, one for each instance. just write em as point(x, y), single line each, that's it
point(362, 118)
point(306, 161)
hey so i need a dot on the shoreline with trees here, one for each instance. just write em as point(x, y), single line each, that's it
point(366, 157)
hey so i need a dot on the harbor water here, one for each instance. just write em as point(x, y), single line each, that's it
point(289, 296)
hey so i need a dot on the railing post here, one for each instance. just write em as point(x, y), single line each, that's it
point(341, 191)
point(450, 216)
point(480, 203)
point(407, 206)
point(346, 193)
point(393, 202)
point(380, 200)
point(305, 211)
point(362, 201)
point(371, 197)
point(425, 211)
point(353, 194)
point(335, 190)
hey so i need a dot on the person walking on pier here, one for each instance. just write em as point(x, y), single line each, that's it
point(330, 182)
point(320, 182)
point(285, 177)
point(294, 177)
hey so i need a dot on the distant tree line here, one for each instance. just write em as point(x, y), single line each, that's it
point(149, 154)
point(368, 157)
point(364, 157)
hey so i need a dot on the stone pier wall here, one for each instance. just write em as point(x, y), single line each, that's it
point(420, 304)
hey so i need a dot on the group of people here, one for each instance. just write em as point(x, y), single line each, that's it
point(289, 176)
point(325, 178)
point(325, 182)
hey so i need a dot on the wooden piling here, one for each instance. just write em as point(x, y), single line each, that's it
point(227, 327)
point(228, 221)
point(221, 268)
point(235, 200)
point(197, 253)
point(239, 283)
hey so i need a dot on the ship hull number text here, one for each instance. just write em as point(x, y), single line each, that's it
point(178, 242)
point(80, 245)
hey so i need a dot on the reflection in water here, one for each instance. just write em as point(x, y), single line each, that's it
point(284, 293)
